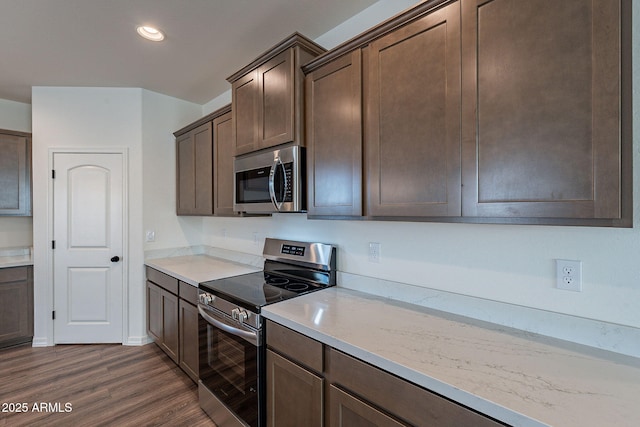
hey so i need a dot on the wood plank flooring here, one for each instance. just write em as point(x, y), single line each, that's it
point(105, 385)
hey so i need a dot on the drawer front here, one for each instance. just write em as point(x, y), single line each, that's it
point(296, 346)
point(347, 410)
point(188, 293)
point(400, 398)
point(14, 274)
point(163, 280)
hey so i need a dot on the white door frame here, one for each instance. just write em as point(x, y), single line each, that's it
point(125, 233)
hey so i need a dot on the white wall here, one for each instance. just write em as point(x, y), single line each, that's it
point(161, 116)
point(15, 231)
point(15, 115)
point(89, 118)
point(511, 264)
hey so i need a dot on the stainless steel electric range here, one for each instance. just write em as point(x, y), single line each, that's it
point(231, 334)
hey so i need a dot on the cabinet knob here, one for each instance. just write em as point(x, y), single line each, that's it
point(115, 258)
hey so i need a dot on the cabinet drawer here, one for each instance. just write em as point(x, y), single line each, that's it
point(346, 410)
point(296, 346)
point(14, 274)
point(400, 398)
point(188, 293)
point(163, 280)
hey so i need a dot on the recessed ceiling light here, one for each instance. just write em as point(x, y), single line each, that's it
point(150, 33)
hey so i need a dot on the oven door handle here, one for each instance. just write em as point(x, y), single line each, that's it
point(220, 323)
point(272, 186)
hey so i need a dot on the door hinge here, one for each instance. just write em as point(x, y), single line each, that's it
point(53, 244)
point(53, 315)
point(53, 173)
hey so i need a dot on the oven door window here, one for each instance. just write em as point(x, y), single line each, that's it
point(229, 369)
point(253, 186)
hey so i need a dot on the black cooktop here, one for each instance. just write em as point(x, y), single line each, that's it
point(255, 290)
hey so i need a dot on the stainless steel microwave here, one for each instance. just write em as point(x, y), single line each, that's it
point(270, 181)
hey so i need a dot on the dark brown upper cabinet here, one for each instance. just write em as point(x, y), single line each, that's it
point(542, 110)
point(223, 169)
point(194, 170)
point(204, 166)
point(333, 95)
point(485, 111)
point(412, 122)
point(267, 96)
point(15, 173)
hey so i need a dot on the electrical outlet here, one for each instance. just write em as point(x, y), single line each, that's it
point(150, 236)
point(569, 275)
point(374, 252)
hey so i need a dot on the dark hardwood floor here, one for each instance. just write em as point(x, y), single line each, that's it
point(96, 385)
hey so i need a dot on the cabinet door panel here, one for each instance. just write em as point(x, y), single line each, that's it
point(154, 312)
point(334, 137)
point(245, 113)
point(542, 108)
point(186, 197)
point(170, 334)
point(16, 306)
point(275, 112)
point(347, 411)
point(223, 160)
point(15, 175)
point(294, 395)
point(413, 118)
point(203, 151)
point(189, 339)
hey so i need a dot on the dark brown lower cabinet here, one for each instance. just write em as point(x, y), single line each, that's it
point(16, 306)
point(294, 378)
point(347, 410)
point(162, 315)
point(308, 381)
point(189, 339)
point(172, 319)
point(294, 395)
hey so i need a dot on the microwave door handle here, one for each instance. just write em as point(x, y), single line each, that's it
point(272, 186)
point(245, 335)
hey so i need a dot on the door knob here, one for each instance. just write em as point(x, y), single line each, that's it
point(115, 259)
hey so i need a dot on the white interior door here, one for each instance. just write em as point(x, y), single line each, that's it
point(88, 233)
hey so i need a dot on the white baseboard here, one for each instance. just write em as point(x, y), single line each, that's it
point(41, 342)
point(137, 341)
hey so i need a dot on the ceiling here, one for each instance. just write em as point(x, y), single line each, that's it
point(94, 42)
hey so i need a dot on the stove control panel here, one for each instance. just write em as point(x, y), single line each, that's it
point(292, 250)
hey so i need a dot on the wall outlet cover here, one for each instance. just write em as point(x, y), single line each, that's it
point(569, 275)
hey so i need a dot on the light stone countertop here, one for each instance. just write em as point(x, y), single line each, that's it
point(516, 377)
point(15, 257)
point(194, 269)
